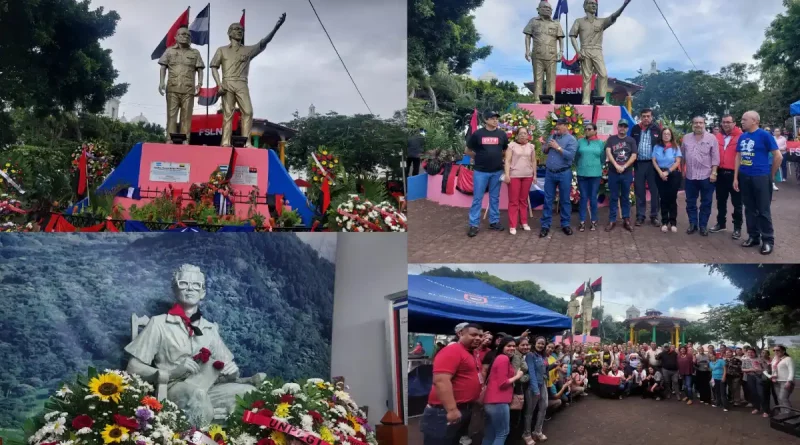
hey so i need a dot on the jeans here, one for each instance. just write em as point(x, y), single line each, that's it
point(620, 189)
point(498, 418)
point(435, 429)
point(563, 182)
point(624, 387)
point(531, 407)
point(482, 181)
point(784, 394)
point(720, 397)
point(589, 187)
point(703, 383)
point(670, 381)
point(539, 409)
point(645, 173)
point(757, 199)
point(668, 195)
point(705, 189)
point(687, 386)
point(518, 190)
point(724, 188)
point(754, 390)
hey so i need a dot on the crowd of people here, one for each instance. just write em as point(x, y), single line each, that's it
point(503, 385)
point(738, 164)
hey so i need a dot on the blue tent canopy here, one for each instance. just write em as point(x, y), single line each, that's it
point(794, 109)
point(436, 305)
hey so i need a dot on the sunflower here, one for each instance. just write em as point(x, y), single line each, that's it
point(321, 385)
point(354, 422)
point(282, 410)
point(278, 438)
point(569, 113)
point(108, 386)
point(114, 433)
point(216, 433)
point(326, 435)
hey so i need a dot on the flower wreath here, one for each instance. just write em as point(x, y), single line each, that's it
point(324, 164)
point(11, 180)
point(570, 113)
point(357, 215)
point(278, 414)
point(518, 117)
point(98, 164)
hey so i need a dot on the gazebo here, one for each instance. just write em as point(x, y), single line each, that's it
point(654, 320)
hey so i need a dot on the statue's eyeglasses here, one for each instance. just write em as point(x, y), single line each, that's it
point(194, 285)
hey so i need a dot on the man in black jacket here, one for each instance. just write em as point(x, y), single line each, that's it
point(647, 135)
point(416, 144)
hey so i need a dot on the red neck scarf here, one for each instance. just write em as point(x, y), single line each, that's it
point(592, 138)
point(178, 311)
point(667, 145)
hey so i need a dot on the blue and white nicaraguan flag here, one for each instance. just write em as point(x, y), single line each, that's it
point(561, 8)
point(200, 27)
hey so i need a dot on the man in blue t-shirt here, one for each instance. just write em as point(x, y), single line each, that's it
point(753, 176)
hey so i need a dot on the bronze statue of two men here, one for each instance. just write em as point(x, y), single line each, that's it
point(547, 37)
point(185, 67)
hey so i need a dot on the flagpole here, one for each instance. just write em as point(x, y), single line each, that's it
point(245, 17)
point(208, 58)
point(566, 41)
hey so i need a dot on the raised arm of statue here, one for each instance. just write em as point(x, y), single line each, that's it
point(613, 17)
point(262, 44)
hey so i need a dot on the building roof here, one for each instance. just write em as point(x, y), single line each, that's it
point(660, 321)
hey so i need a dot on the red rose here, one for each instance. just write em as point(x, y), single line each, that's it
point(204, 353)
point(287, 398)
point(127, 422)
point(558, 112)
point(257, 404)
point(82, 421)
point(218, 365)
point(316, 416)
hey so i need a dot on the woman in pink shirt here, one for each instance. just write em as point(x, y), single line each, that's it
point(520, 172)
point(499, 391)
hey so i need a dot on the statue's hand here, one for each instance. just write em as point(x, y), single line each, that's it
point(197, 90)
point(527, 56)
point(580, 54)
point(161, 88)
point(283, 19)
point(230, 369)
point(626, 2)
point(189, 366)
point(560, 56)
point(221, 88)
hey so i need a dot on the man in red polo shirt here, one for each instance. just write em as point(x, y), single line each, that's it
point(456, 387)
point(728, 139)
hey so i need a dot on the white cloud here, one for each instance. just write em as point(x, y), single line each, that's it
point(691, 313)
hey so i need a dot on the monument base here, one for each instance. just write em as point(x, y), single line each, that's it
point(606, 117)
point(151, 168)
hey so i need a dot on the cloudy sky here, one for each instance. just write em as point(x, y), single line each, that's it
point(297, 69)
point(715, 33)
point(681, 290)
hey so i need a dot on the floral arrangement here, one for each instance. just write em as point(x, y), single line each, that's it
point(570, 113)
point(112, 407)
point(317, 408)
point(10, 226)
point(360, 215)
point(518, 117)
point(216, 183)
point(98, 164)
point(10, 170)
point(323, 163)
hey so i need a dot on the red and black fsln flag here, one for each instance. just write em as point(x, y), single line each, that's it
point(169, 39)
point(208, 96)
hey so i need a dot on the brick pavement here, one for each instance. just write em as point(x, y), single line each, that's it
point(633, 421)
point(438, 234)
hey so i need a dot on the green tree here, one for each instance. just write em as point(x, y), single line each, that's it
point(52, 58)
point(364, 143)
point(735, 322)
point(763, 286)
point(697, 332)
point(779, 56)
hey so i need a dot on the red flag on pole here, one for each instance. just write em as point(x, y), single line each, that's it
point(241, 22)
point(169, 39)
point(82, 173)
point(231, 165)
point(581, 290)
point(326, 195)
point(597, 285)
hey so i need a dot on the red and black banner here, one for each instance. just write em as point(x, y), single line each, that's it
point(208, 96)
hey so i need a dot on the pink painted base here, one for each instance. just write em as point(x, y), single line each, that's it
point(203, 160)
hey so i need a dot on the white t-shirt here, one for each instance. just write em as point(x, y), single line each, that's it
point(619, 374)
point(639, 377)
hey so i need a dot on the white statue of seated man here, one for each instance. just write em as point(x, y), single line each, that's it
point(170, 342)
